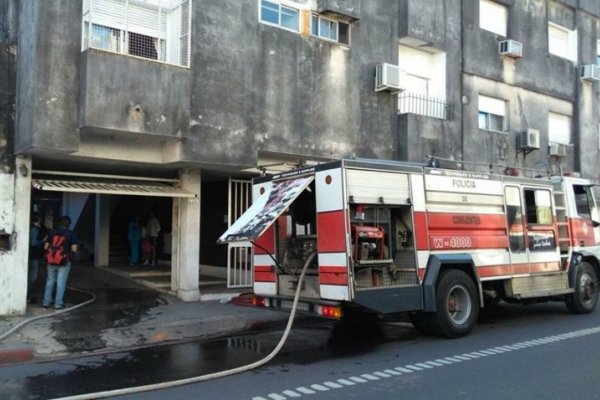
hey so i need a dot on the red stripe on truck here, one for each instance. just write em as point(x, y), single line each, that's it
point(266, 241)
point(264, 273)
point(332, 232)
point(333, 276)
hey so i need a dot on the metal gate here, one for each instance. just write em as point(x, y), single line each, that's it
point(239, 255)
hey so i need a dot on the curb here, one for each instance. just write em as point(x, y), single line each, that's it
point(17, 355)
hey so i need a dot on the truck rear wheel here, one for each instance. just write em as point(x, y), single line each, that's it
point(585, 298)
point(456, 304)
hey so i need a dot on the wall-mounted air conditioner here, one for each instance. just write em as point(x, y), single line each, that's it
point(557, 150)
point(389, 77)
point(510, 48)
point(590, 72)
point(529, 139)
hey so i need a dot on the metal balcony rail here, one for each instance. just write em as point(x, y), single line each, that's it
point(414, 103)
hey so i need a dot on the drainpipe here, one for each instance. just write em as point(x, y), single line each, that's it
point(576, 121)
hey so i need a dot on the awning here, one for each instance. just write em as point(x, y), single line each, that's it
point(118, 187)
point(265, 210)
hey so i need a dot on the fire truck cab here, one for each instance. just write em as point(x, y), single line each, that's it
point(392, 237)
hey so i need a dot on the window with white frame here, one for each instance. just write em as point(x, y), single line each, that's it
point(492, 114)
point(493, 17)
point(153, 29)
point(562, 42)
point(275, 13)
point(329, 29)
point(559, 128)
point(597, 52)
point(424, 78)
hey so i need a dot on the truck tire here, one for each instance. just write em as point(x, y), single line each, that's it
point(585, 298)
point(456, 303)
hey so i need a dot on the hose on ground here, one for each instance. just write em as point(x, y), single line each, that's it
point(215, 375)
point(54, 314)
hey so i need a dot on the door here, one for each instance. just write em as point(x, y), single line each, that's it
point(540, 231)
point(239, 254)
point(516, 231)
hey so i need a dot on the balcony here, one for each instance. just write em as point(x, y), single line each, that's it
point(414, 103)
point(345, 9)
point(130, 96)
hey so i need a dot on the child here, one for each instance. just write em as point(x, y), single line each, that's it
point(146, 247)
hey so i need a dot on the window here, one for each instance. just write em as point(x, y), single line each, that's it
point(329, 29)
point(562, 42)
point(277, 14)
point(559, 128)
point(514, 219)
point(424, 77)
point(153, 29)
point(492, 113)
point(597, 52)
point(493, 17)
point(538, 206)
point(583, 199)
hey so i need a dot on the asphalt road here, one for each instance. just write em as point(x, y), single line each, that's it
point(533, 352)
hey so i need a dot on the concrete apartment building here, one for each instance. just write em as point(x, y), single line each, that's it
point(112, 107)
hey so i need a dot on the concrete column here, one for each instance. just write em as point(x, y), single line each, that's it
point(185, 261)
point(15, 204)
point(102, 230)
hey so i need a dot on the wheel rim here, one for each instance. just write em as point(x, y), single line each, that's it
point(458, 304)
point(587, 288)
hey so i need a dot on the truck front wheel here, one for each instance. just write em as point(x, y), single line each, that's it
point(584, 299)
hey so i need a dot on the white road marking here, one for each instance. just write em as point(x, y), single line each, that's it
point(318, 387)
point(423, 366)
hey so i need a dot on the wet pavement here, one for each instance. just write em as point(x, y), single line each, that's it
point(310, 341)
point(124, 315)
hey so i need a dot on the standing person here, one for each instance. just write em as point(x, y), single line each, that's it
point(153, 228)
point(134, 236)
point(59, 246)
point(146, 247)
point(36, 252)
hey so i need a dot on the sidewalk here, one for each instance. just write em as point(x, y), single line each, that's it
point(125, 315)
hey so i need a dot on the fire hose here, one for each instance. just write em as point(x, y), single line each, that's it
point(206, 377)
point(54, 314)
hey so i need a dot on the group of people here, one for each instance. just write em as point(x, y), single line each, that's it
point(143, 240)
point(55, 248)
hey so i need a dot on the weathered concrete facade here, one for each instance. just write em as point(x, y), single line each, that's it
point(254, 88)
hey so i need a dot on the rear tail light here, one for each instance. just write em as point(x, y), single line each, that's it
point(260, 301)
point(331, 312)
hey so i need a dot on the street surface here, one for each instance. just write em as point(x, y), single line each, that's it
point(520, 352)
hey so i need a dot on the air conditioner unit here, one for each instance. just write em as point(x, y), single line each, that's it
point(590, 72)
point(389, 77)
point(510, 48)
point(529, 139)
point(557, 150)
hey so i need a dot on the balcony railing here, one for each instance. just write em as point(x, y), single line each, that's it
point(414, 103)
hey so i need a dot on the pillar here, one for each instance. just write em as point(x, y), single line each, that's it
point(185, 261)
point(102, 230)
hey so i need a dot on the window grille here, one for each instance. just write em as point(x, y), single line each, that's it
point(152, 29)
point(414, 103)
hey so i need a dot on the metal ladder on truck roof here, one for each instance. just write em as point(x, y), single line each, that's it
point(564, 230)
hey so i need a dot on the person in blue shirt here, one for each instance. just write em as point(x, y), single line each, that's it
point(59, 246)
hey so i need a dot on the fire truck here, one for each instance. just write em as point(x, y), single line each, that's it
point(395, 238)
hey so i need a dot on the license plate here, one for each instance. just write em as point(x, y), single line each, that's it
point(287, 305)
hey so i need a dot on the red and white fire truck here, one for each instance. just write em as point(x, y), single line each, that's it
point(438, 244)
